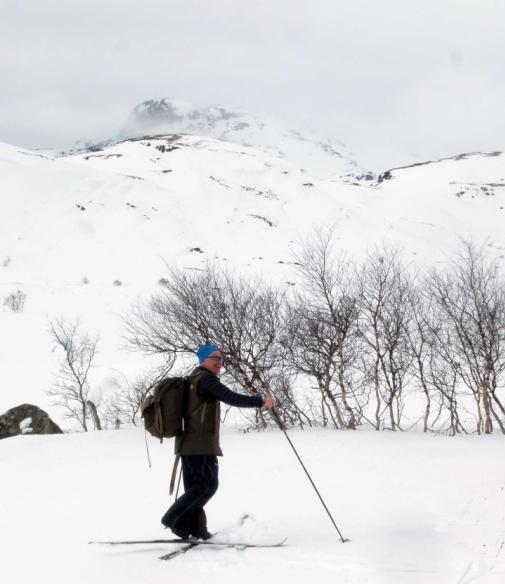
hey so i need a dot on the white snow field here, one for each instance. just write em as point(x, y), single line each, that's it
point(83, 236)
point(417, 508)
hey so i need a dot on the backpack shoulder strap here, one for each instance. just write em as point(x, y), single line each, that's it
point(193, 379)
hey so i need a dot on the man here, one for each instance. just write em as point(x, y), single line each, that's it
point(199, 446)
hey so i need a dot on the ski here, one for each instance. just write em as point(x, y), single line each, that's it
point(274, 543)
point(245, 544)
point(239, 523)
point(192, 544)
point(214, 541)
point(188, 544)
point(141, 541)
point(178, 552)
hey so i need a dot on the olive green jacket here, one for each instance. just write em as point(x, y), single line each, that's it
point(201, 434)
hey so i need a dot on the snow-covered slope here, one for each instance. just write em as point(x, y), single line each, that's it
point(85, 235)
point(418, 509)
point(264, 204)
point(463, 195)
point(118, 213)
point(319, 157)
point(474, 176)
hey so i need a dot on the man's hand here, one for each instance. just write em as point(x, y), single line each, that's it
point(269, 403)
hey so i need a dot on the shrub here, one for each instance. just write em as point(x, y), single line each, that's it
point(15, 301)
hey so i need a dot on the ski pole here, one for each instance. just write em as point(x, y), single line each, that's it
point(178, 484)
point(147, 448)
point(281, 426)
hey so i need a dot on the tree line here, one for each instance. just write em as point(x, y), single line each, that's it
point(374, 342)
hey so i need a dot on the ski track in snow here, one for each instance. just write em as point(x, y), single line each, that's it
point(417, 508)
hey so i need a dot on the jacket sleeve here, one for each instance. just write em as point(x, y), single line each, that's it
point(209, 387)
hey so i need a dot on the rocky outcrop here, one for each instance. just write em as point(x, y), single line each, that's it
point(27, 419)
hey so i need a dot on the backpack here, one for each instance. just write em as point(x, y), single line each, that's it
point(164, 410)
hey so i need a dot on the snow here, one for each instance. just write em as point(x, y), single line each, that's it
point(117, 214)
point(26, 426)
point(417, 508)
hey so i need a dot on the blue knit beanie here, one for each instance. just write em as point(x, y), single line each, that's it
point(204, 351)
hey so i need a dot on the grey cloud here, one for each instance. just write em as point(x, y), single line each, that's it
point(390, 79)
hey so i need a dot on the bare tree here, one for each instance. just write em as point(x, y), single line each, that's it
point(321, 331)
point(385, 320)
point(71, 388)
point(94, 414)
point(243, 317)
point(430, 347)
point(470, 296)
point(420, 345)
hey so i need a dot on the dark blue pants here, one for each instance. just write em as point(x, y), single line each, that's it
point(200, 475)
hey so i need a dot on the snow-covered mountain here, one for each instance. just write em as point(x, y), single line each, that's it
point(190, 199)
point(85, 235)
point(181, 198)
point(319, 157)
point(118, 213)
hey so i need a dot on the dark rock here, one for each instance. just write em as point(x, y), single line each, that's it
point(16, 421)
point(385, 176)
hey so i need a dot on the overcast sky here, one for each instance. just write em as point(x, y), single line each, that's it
point(395, 80)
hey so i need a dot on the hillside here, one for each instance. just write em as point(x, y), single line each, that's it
point(85, 235)
point(143, 200)
point(464, 194)
point(185, 198)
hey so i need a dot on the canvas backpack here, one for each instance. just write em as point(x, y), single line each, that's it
point(164, 411)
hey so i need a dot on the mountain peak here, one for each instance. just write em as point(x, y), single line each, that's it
point(160, 110)
point(161, 114)
point(317, 156)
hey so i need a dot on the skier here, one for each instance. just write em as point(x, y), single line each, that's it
point(199, 447)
